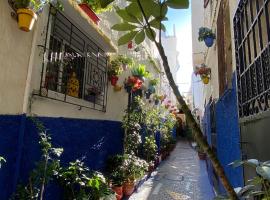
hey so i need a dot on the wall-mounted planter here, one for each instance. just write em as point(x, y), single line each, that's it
point(91, 14)
point(26, 19)
point(209, 41)
point(205, 79)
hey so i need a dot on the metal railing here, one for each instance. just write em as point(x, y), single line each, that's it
point(74, 68)
point(252, 37)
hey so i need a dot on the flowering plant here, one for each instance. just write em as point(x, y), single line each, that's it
point(134, 167)
point(205, 32)
point(203, 70)
point(133, 83)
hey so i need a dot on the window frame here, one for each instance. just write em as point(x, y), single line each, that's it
point(97, 55)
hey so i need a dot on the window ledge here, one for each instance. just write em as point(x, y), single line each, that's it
point(77, 15)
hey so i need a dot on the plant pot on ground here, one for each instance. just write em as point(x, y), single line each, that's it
point(128, 187)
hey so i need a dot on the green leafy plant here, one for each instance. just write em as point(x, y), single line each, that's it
point(117, 64)
point(134, 22)
point(154, 82)
point(150, 148)
point(37, 5)
point(134, 167)
point(140, 71)
point(45, 168)
point(205, 32)
point(98, 6)
point(78, 182)
point(115, 169)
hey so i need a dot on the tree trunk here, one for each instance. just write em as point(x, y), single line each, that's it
point(198, 135)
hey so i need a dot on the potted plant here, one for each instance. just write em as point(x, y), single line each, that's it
point(27, 12)
point(114, 71)
point(115, 171)
point(206, 35)
point(134, 167)
point(150, 151)
point(124, 61)
point(204, 72)
point(117, 178)
point(133, 84)
point(140, 72)
point(93, 7)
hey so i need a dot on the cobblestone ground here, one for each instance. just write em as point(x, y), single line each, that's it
point(181, 177)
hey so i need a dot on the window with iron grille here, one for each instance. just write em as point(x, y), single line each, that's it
point(75, 68)
point(251, 29)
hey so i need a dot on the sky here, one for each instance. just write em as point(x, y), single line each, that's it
point(182, 20)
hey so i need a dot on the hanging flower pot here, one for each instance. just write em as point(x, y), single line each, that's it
point(205, 79)
point(206, 35)
point(147, 95)
point(209, 41)
point(114, 80)
point(26, 19)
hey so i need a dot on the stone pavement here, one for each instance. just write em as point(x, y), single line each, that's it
point(181, 177)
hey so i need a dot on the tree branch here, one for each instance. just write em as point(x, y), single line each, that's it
point(198, 135)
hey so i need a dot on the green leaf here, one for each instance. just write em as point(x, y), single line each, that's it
point(236, 163)
point(105, 3)
point(156, 24)
point(126, 16)
point(140, 37)
point(133, 9)
point(126, 38)
point(150, 35)
point(151, 8)
point(124, 27)
point(178, 4)
point(264, 171)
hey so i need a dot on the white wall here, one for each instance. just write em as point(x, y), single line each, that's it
point(15, 47)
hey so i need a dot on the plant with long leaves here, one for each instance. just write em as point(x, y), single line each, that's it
point(258, 186)
point(141, 19)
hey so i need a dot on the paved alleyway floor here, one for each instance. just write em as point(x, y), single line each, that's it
point(181, 177)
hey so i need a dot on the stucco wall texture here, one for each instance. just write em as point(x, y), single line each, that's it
point(90, 140)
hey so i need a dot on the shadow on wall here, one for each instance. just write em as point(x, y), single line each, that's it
point(92, 140)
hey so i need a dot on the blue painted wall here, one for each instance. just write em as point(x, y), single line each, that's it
point(228, 134)
point(93, 140)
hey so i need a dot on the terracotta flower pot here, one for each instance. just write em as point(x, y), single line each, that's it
point(26, 19)
point(202, 156)
point(119, 191)
point(128, 188)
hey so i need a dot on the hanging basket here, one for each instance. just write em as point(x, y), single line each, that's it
point(205, 79)
point(209, 41)
point(26, 19)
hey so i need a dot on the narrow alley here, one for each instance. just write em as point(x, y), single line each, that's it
point(182, 176)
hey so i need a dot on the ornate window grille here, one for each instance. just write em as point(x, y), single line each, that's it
point(252, 36)
point(74, 68)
